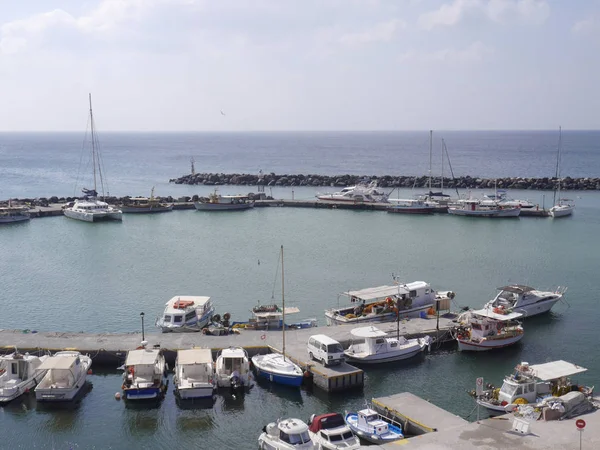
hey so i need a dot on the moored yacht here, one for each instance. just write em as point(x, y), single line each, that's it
point(501, 198)
point(525, 300)
point(373, 427)
point(372, 346)
point(186, 313)
point(288, 434)
point(194, 374)
point(145, 374)
point(474, 208)
point(65, 376)
point(232, 369)
point(486, 329)
point(361, 193)
point(331, 432)
point(18, 374)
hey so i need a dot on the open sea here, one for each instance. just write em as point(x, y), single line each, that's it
point(59, 274)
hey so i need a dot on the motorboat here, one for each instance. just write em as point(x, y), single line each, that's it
point(186, 313)
point(385, 303)
point(330, 432)
point(474, 208)
point(524, 299)
point(531, 384)
point(373, 427)
point(374, 346)
point(194, 374)
point(65, 376)
point(486, 329)
point(90, 208)
point(361, 193)
point(18, 374)
point(218, 202)
point(232, 369)
point(12, 213)
point(144, 376)
point(501, 198)
point(146, 205)
point(288, 434)
point(410, 206)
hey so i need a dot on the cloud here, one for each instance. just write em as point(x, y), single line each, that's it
point(381, 32)
point(586, 26)
point(499, 11)
point(477, 51)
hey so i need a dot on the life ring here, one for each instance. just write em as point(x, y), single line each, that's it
point(226, 316)
point(263, 337)
point(216, 318)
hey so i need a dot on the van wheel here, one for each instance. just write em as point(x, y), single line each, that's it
point(311, 356)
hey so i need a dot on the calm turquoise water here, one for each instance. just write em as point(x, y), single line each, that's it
point(60, 274)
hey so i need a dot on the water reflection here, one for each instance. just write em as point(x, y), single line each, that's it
point(141, 422)
point(289, 393)
point(195, 403)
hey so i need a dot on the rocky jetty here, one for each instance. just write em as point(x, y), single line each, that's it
point(387, 181)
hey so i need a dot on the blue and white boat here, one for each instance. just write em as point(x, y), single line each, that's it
point(145, 375)
point(186, 313)
point(373, 427)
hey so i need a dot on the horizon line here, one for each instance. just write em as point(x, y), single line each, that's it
point(450, 130)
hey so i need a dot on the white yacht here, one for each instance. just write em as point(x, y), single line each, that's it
point(330, 432)
point(18, 374)
point(233, 369)
point(65, 377)
point(525, 300)
point(501, 198)
point(186, 313)
point(145, 374)
point(91, 208)
point(360, 193)
point(288, 434)
point(474, 208)
point(486, 329)
point(373, 346)
point(194, 374)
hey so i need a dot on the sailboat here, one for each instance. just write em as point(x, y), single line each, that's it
point(564, 206)
point(275, 367)
point(91, 208)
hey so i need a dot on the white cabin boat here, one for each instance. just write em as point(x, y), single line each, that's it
point(194, 374)
point(233, 369)
point(501, 198)
point(361, 193)
point(411, 206)
point(288, 434)
point(533, 383)
point(18, 374)
point(186, 313)
point(474, 208)
point(330, 432)
point(384, 303)
point(374, 346)
point(373, 427)
point(145, 375)
point(485, 329)
point(65, 377)
point(217, 202)
point(12, 214)
point(525, 300)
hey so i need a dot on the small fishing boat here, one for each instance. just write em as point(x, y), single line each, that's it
point(488, 329)
point(145, 374)
point(375, 347)
point(373, 427)
point(12, 213)
point(276, 367)
point(65, 376)
point(525, 300)
point(288, 434)
point(410, 206)
point(361, 193)
point(474, 208)
point(218, 202)
point(145, 205)
point(233, 369)
point(18, 374)
point(530, 384)
point(194, 374)
point(186, 313)
point(385, 303)
point(330, 432)
point(269, 317)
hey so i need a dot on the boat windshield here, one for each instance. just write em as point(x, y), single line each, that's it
point(371, 417)
point(336, 437)
point(295, 439)
point(347, 435)
point(509, 389)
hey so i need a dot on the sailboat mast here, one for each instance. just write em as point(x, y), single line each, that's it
point(283, 303)
point(93, 141)
point(442, 181)
point(430, 156)
point(557, 166)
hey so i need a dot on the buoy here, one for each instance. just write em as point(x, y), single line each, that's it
point(307, 374)
point(89, 372)
point(118, 396)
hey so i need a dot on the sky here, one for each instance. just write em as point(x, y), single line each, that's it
point(276, 65)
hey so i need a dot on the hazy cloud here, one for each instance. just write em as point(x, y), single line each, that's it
point(381, 32)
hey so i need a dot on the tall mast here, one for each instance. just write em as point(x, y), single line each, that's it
point(442, 182)
point(430, 155)
point(283, 303)
point(93, 141)
point(557, 167)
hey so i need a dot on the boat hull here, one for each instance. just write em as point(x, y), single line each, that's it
point(382, 358)
point(500, 213)
point(499, 409)
point(92, 217)
point(14, 219)
point(206, 391)
point(222, 206)
point(150, 393)
point(561, 211)
point(287, 380)
point(534, 309)
point(394, 434)
point(60, 394)
point(146, 209)
point(408, 210)
point(8, 394)
point(333, 319)
point(485, 345)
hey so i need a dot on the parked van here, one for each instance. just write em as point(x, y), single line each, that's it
point(324, 349)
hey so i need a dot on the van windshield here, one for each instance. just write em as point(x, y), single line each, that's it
point(335, 348)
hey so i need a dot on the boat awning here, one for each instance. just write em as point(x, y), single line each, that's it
point(58, 362)
point(501, 317)
point(140, 357)
point(556, 369)
point(368, 332)
point(194, 356)
point(374, 293)
point(288, 310)
point(197, 299)
point(517, 288)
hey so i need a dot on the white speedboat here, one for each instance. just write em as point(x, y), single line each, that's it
point(500, 197)
point(145, 205)
point(525, 300)
point(145, 374)
point(330, 432)
point(360, 193)
point(288, 434)
point(474, 208)
point(91, 208)
point(532, 383)
point(12, 214)
point(194, 374)
point(18, 374)
point(232, 369)
point(186, 313)
point(410, 206)
point(373, 427)
point(384, 303)
point(217, 202)
point(374, 346)
point(486, 329)
point(65, 377)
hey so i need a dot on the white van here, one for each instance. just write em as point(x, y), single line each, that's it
point(324, 349)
